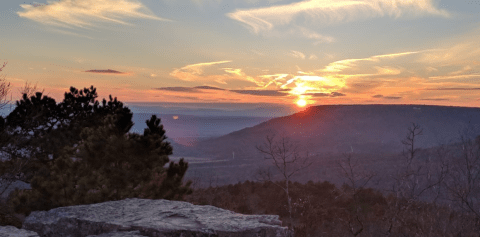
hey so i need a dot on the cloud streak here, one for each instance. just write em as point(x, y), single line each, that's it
point(261, 92)
point(328, 12)
point(193, 71)
point(196, 89)
point(297, 54)
point(199, 89)
point(177, 89)
point(387, 97)
point(108, 71)
point(439, 99)
point(456, 89)
point(341, 65)
point(392, 97)
point(332, 94)
point(209, 88)
point(83, 13)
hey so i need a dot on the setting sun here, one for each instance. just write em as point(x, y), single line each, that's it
point(301, 102)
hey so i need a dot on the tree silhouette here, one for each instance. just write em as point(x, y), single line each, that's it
point(39, 127)
point(81, 153)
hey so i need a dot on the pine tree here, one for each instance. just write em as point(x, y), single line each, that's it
point(100, 162)
point(39, 128)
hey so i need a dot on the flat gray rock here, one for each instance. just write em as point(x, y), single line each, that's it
point(12, 231)
point(120, 234)
point(150, 218)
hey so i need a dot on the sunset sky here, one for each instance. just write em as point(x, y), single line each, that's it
point(247, 51)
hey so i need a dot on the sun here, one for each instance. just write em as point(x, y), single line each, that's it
point(301, 102)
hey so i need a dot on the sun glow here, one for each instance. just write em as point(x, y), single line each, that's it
point(301, 102)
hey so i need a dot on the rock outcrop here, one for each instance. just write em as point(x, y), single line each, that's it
point(7, 189)
point(144, 217)
point(12, 231)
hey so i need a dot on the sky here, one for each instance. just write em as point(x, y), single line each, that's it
point(301, 52)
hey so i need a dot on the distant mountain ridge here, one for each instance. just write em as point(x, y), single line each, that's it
point(357, 128)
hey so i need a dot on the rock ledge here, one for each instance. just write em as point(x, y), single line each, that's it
point(144, 217)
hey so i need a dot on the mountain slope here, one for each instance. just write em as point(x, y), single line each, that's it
point(361, 128)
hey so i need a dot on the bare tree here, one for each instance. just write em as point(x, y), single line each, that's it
point(286, 157)
point(5, 180)
point(357, 178)
point(409, 143)
point(29, 90)
point(195, 180)
point(415, 176)
point(463, 182)
point(4, 89)
point(10, 169)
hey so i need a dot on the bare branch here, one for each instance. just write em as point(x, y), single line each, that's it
point(285, 156)
point(29, 90)
point(4, 64)
point(4, 89)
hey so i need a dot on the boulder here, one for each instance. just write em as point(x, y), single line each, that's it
point(7, 188)
point(12, 231)
point(144, 217)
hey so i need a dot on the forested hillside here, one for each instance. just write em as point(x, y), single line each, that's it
point(359, 128)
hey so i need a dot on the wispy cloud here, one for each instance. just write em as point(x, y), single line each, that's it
point(456, 89)
point(462, 71)
point(83, 13)
point(201, 89)
point(240, 75)
point(313, 57)
point(327, 12)
point(431, 69)
point(341, 65)
point(462, 53)
point(297, 54)
point(275, 79)
point(456, 77)
point(310, 34)
point(312, 84)
point(193, 71)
